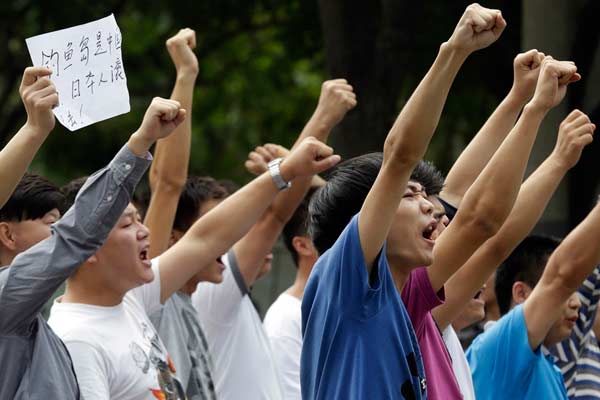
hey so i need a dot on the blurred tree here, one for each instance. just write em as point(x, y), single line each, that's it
point(259, 81)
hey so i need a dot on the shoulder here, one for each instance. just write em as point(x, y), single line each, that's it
point(284, 315)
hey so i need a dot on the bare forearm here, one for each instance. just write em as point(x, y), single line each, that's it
point(418, 119)
point(480, 150)
point(172, 154)
point(533, 198)
point(16, 157)
point(169, 171)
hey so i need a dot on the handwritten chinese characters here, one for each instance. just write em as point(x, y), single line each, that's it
point(87, 70)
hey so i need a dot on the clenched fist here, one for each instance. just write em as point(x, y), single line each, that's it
point(336, 99)
point(309, 158)
point(575, 132)
point(552, 83)
point(477, 28)
point(161, 118)
point(180, 49)
point(526, 68)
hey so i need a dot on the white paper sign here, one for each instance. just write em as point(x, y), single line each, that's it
point(87, 71)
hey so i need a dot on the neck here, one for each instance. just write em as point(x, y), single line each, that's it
point(297, 289)
point(492, 312)
point(400, 274)
point(96, 295)
point(6, 259)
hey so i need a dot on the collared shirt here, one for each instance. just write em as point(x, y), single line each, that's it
point(36, 363)
point(578, 356)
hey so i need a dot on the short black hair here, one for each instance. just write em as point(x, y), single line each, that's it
point(298, 224)
point(196, 191)
point(230, 186)
point(70, 190)
point(33, 197)
point(348, 184)
point(526, 264)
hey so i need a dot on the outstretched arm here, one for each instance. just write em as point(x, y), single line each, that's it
point(169, 170)
point(39, 97)
point(35, 274)
point(574, 134)
point(336, 99)
point(219, 229)
point(477, 154)
point(409, 137)
point(573, 260)
point(491, 198)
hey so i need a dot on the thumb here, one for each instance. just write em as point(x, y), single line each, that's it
point(326, 163)
point(180, 117)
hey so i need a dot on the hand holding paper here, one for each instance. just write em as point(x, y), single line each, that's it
point(39, 97)
point(87, 71)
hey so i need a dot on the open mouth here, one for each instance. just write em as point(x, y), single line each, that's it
point(220, 260)
point(144, 255)
point(429, 231)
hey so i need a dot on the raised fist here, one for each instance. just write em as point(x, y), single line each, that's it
point(336, 99)
point(39, 98)
point(180, 49)
point(477, 28)
point(309, 158)
point(552, 82)
point(258, 159)
point(526, 68)
point(161, 118)
point(575, 132)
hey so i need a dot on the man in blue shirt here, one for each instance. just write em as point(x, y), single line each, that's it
point(539, 283)
point(358, 338)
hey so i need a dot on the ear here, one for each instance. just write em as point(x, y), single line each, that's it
point(7, 236)
point(520, 292)
point(304, 246)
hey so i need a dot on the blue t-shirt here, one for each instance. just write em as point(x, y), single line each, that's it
point(504, 366)
point(358, 339)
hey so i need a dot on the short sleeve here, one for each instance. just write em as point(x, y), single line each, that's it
point(218, 303)
point(148, 295)
point(419, 298)
point(92, 373)
point(344, 271)
point(503, 351)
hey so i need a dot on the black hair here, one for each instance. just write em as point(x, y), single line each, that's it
point(297, 225)
point(526, 264)
point(33, 197)
point(348, 184)
point(196, 191)
point(230, 186)
point(70, 190)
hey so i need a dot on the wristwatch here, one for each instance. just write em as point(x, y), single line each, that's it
point(276, 174)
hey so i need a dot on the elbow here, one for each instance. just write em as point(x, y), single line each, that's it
point(481, 224)
point(168, 185)
point(398, 153)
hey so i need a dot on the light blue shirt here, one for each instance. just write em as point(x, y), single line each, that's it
point(504, 366)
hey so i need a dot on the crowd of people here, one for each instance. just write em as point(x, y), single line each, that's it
point(393, 259)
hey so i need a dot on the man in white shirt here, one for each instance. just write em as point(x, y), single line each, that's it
point(244, 364)
point(104, 323)
point(283, 322)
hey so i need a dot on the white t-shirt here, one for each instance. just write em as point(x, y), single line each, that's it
point(460, 366)
point(115, 350)
point(244, 365)
point(283, 324)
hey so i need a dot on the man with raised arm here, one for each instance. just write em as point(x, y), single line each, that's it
point(41, 366)
point(244, 365)
point(533, 197)
point(356, 328)
point(39, 97)
point(103, 316)
point(544, 309)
